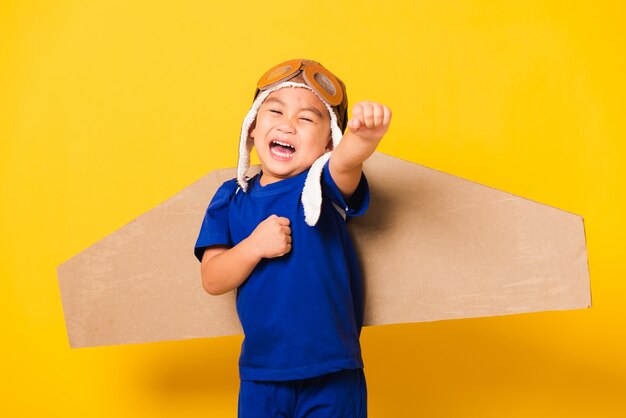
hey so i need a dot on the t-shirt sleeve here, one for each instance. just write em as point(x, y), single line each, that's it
point(215, 228)
point(358, 202)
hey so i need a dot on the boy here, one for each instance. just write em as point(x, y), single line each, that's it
point(280, 239)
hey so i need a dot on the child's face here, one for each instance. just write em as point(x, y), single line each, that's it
point(292, 116)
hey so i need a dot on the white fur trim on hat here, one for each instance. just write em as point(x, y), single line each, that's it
point(312, 191)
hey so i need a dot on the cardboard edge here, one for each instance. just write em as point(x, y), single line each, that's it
point(582, 219)
point(474, 181)
point(480, 316)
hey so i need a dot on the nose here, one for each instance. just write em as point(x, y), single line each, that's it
point(286, 126)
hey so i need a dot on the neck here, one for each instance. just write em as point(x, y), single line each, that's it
point(268, 179)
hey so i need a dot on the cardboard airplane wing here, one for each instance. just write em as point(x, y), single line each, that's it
point(431, 246)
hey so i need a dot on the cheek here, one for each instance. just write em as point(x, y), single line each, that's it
point(258, 144)
point(258, 131)
point(261, 127)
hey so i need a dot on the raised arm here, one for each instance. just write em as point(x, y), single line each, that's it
point(370, 121)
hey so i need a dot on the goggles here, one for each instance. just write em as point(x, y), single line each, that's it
point(315, 76)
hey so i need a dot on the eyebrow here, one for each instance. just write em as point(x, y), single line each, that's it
point(310, 109)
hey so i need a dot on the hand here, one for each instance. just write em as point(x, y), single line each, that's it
point(370, 120)
point(271, 238)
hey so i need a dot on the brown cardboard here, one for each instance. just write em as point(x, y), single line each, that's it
point(432, 246)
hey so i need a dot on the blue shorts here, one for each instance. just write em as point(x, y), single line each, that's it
point(338, 394)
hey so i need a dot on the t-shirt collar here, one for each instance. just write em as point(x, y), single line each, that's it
point(278, 185)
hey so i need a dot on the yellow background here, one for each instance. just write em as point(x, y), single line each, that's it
point(108, 108)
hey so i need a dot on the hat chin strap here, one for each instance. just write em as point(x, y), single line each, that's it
point(312, 191)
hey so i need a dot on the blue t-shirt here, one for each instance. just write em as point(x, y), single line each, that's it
point(302, 312)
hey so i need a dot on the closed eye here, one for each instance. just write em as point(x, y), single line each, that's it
point(275, 111)
point(307, 119)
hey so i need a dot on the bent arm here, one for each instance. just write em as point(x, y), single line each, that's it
point(224, 269)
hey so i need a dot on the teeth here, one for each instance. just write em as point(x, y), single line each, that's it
point(282, 154)
point(284, 144)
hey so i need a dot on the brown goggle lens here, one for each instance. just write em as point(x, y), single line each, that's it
point(278, 73)
point(324, 82)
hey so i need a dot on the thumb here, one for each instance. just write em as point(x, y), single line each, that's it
point(354, 124)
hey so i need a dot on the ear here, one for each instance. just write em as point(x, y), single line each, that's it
point(251, 129)
point(329, 145)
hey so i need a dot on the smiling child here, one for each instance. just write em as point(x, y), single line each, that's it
point(280, 239)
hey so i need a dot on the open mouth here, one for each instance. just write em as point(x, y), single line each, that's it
point(282, 150)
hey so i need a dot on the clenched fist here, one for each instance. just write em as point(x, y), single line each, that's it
point(272, 237)
point(370, 120)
